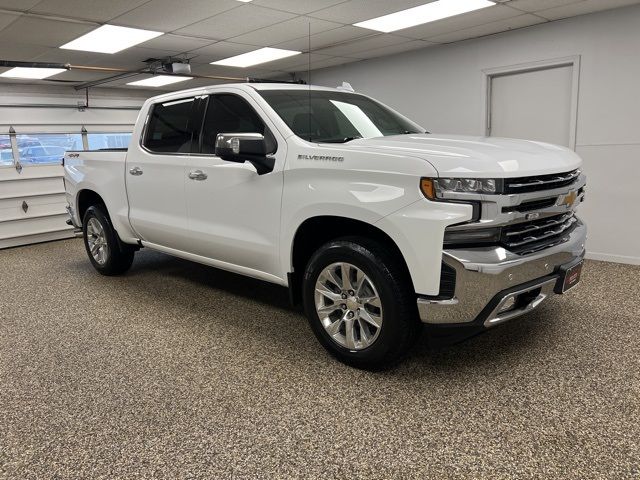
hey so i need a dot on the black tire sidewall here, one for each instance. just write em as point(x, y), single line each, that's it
point(116, 259)
point(377, 270)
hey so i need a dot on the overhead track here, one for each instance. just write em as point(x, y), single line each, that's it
point(120, 73)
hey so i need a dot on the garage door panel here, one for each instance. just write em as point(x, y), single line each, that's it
point(30, 187)
point(31, 207)
point(33, 226)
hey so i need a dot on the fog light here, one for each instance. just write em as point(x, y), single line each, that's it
point(508, 304)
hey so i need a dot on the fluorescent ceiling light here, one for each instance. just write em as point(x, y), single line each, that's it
point(32, 73)
point(110, 39)
point(256, 57)
point(159, 81)
point(423, 14)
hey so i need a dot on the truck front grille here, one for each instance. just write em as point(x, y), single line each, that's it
point(529, 237)
point(540, 182)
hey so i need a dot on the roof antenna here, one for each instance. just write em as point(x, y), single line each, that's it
point(309, 80)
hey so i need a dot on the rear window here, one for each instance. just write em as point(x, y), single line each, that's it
point(169, 128)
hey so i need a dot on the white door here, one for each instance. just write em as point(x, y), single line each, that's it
point(234, 213)
point(534, 105)
point(155, 175)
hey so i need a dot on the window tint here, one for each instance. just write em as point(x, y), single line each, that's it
point(228, 113)
point(169, 129)
point(46, 148)
point(99, 141)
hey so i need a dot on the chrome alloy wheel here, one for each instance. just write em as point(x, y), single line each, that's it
point(97, 241)
point(348, 306)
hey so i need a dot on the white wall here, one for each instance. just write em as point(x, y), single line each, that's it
point(442, 89)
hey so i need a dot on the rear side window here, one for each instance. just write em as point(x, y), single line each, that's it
point(228, 113)
point(169, 129)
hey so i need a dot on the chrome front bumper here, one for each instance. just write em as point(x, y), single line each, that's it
point(488, 277)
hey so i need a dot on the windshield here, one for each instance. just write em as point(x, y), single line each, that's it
point(336, 117)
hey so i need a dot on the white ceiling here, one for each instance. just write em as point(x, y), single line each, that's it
point(209, 30)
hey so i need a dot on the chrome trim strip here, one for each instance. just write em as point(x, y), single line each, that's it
point(496, 318)
point(537, 181)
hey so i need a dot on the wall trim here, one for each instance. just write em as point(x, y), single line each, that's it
point(607, 257)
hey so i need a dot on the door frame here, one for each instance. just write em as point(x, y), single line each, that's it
point(572, 61)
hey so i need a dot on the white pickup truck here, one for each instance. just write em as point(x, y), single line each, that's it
point(374, 224)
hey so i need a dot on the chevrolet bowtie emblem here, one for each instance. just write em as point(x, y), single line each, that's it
point(568, 199)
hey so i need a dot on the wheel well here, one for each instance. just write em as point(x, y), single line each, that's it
point(315, 232)
point(87, 198)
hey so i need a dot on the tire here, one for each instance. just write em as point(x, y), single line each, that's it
point(363, 344)
point(112, 257)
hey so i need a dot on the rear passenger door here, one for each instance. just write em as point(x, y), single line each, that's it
point(234, 213)
point(155, 173)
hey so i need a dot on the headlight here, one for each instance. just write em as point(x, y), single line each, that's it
point(434, 187)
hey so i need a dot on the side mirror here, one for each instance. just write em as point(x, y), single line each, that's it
point(245, 147)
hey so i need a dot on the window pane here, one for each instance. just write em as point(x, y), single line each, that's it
point(228, 114)
point(47, 148)
point(6, 155)
point(328, 116)
point(98, 141)
point(169, 129)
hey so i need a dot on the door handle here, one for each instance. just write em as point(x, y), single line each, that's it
point(197, 175)
point(135, 171)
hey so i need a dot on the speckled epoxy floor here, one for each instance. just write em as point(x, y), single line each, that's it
point(181, 371)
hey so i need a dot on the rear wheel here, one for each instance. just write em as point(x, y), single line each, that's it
point(106, 253)
point(360, 303)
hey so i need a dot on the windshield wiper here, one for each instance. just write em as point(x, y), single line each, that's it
point(340, 140)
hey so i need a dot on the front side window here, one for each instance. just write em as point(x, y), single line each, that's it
point(228, 113)
point(169, 127)
point(336, 117)
point(46, 148)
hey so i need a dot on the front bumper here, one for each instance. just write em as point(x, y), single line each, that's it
point(488, 277)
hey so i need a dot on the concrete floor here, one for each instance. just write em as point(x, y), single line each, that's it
point(182, 371)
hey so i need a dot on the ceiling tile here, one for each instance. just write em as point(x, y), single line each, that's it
point(218, 51)
point(354, 11)
point(236, 22)
point(326, 39)
point(298, 6)
point(537, 5)
point(7, 19)
point(23, 5)
point(319, 61)
point(221, 70)
point(300, 61)
point(20, 51)
point(287, 30)
point(170, 15)
point(176, 43)
point(99, 11)
point(40, 31)
point(459, 22)
point(132, 58)
point(584, 7)
point(351, 49)
point(489, 28)
point(395, 49)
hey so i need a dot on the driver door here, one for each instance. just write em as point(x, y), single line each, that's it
point(234, 213)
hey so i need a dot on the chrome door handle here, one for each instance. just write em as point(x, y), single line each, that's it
point(135, 171)
point(197, 175)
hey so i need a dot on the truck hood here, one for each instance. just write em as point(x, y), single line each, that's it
point(468, 156)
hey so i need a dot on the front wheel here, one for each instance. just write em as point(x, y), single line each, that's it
point(360, 303)
point(107, 255)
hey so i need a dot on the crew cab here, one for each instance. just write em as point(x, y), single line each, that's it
point(374, 224)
